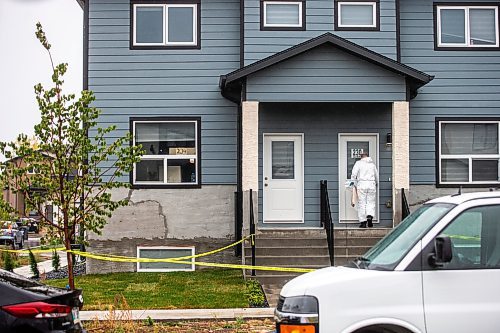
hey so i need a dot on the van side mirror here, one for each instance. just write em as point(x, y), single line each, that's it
point(442, 252)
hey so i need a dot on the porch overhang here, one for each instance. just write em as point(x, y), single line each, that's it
point(232, 84)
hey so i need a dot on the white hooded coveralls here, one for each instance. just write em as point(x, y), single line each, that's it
point(365, 175)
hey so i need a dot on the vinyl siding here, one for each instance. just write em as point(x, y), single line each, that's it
point(325, 74)
point(141, 83)
point(321, 123)
point(466, 84)
point(319, 19)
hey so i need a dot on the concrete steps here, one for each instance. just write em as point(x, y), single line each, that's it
point(289, 249)
point(352, 243)
point(304, 249)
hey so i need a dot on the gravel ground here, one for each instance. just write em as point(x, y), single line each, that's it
point(211, 326)
point(62, 273)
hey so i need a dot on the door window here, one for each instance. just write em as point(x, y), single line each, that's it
point(283, 160)
point(354, 151)
point(475, 238)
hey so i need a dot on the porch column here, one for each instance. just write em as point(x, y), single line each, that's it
point(250, 161)
point(400, 155)
point(250, 138)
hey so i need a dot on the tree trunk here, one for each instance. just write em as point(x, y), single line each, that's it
point(69, 256)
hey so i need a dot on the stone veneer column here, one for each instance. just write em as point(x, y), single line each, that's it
point(250, 163)
point(400, 155)
point(250, 133)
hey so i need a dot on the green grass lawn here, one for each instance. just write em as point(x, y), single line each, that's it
point(208, 288)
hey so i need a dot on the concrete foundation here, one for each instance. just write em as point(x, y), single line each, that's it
point(203, 218)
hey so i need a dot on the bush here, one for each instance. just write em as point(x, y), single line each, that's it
point(8, 262)
point(56, 261)
point(255, 295)
point(33, 265)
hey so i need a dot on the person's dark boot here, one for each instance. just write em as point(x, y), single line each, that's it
point(362, 225)
point(370, 221)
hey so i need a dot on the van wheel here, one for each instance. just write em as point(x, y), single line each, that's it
point(383, 329)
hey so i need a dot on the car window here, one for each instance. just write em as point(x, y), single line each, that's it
point(475, 238)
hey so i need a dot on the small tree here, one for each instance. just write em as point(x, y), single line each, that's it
point(33, 265)
point(56, 260)
point(74, 165)
point(8, 262)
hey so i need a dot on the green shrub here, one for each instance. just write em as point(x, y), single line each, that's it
point(33, 265)
point(56, 260)
point(255, 295)
point(8, 262)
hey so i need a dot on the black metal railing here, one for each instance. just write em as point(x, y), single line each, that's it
point(252, 231)
point(238, 230)
point(405, 208)
point(326, 218)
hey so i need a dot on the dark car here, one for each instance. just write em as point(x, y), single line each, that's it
point(27, 306)
point(24, 228)
point(31, 223)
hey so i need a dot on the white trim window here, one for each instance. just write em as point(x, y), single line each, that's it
point(165, 252)
point(283, 14)
point(170, 152)
point(469, 152)
point(357, 14)
point(165, 24)
point(467, 26)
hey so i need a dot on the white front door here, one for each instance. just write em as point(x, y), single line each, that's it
point(283, 179)
point(350, 148)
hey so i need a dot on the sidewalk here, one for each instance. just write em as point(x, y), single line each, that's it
point(43, 266)
point(179, 314)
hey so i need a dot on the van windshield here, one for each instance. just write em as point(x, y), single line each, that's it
point(389, 251)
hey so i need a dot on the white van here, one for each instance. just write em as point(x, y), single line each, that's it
point(436, 272)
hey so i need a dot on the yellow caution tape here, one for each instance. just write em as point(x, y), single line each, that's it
point(207, 264)
point(473, 238)
point(33, 251)
point(177, 260)
point(185, 257)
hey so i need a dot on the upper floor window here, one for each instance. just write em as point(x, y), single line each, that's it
point(282, 15)
point(356, 15)
point(468, 151)
point(164, 25)
point(466, 26)
point(171, 151)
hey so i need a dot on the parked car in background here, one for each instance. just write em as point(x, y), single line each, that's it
point(10, 235)
point(34, 221)
point(31, 223)
point(28, 306)
point(24, 228)
point(437, 271)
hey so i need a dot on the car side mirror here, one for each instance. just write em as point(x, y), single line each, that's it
point(443, 252)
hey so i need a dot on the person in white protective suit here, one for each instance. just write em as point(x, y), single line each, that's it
point(365, 175)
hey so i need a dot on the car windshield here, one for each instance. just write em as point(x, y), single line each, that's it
point(387, 253)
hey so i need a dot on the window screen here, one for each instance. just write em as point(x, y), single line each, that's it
point(356, 15)
point(164, 253)
point(469, 152)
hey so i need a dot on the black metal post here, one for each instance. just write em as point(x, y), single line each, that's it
point(237, 224)
point(252, 231)
point(321, 203)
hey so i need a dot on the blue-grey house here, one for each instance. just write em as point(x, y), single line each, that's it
point(228, 96)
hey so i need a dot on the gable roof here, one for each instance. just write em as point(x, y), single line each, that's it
point(230, 82)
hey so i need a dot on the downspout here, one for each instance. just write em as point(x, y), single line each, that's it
point(85, 86)
point(239, 140)
point(398, 31)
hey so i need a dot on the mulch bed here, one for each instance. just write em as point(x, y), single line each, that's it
point(206, 326)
